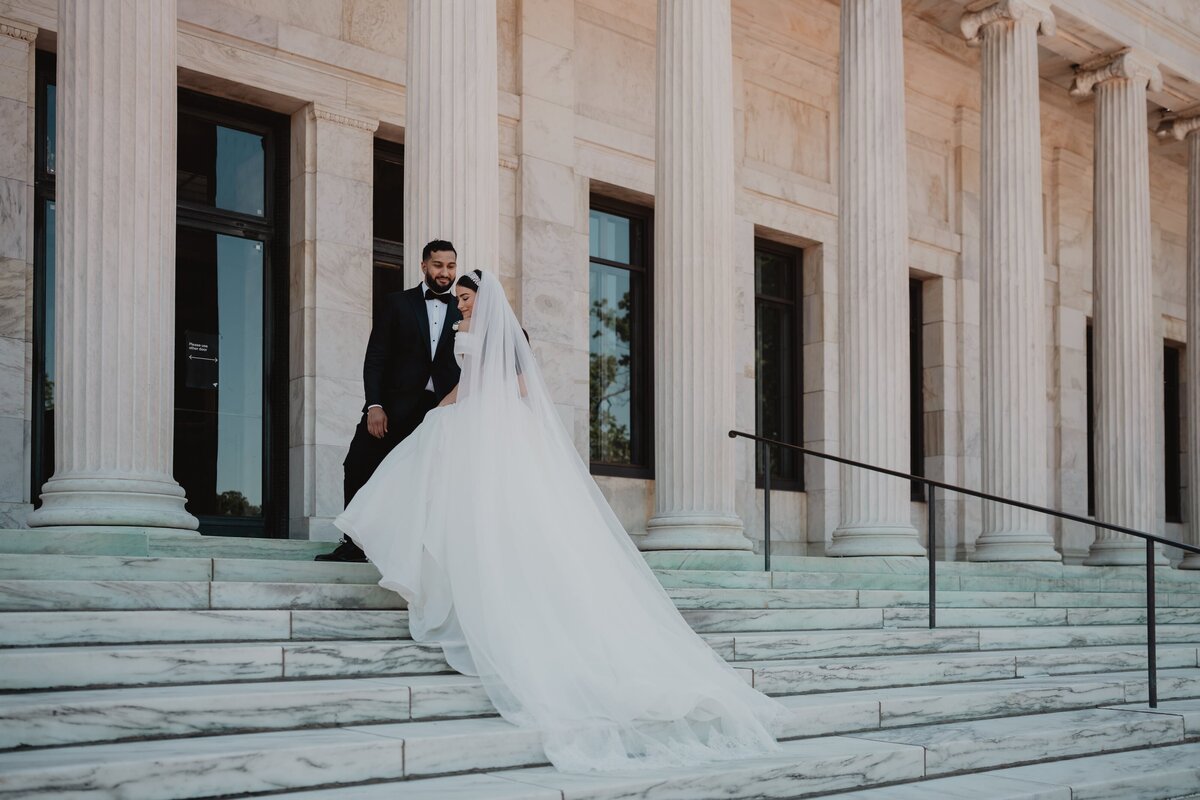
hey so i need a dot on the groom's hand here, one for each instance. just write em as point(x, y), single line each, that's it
point(376, 422)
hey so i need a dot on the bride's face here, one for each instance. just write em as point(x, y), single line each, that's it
point(466, 301)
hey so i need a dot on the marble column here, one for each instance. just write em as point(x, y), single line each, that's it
point(451, 137)
point(115, 258)
point(16, 267)
point(873, 283)
point(1125, 345)
point(1012, 277)
point(694, 282)
point(330, 320)
point(1187, 129)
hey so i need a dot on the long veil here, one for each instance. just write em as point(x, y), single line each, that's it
point(567, 626)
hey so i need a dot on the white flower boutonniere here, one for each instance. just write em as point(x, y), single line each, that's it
point(454, 327)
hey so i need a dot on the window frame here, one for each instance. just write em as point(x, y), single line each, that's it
point(796, 256)
point(641, 257)
point(916, 378)
point(386, 253)
point(1173, 424)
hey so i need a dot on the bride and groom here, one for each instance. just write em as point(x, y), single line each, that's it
point(484, 517)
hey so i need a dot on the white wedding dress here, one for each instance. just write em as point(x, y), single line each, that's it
point(489, 524)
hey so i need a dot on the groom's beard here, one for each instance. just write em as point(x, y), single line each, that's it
point(433, 285)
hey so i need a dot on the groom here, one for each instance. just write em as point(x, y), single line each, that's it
point(409, 368)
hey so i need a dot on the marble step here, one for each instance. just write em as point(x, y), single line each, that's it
point(1011, 617)
point(74, 717)
point(811, 644)
point(1146, 770)
point(1158, 773)
point(250, 763)
point(987, 744)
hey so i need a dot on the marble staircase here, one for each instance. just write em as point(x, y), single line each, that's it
point(214, 668)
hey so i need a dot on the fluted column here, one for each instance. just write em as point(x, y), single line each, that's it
point(451, 138)
point(873, 282)
point(115, 258)
point(693, 281)
point(1188, 129)
point(1012, 275)
point(1126, 348)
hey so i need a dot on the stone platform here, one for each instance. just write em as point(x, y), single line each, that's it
point(139, 667)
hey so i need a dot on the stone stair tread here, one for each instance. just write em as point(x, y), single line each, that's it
point(984, 744)
point(1150, 774)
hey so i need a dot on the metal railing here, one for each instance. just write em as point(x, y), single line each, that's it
point(931, 485)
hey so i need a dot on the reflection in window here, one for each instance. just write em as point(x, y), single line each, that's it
point(619, 390)
point(387, 274)
point(221, 167)
point(219, 375)
point(778, 357)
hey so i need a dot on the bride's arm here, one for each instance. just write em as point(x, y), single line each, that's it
point(450, 398)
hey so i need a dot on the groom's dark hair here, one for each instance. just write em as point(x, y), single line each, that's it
point(435, 246)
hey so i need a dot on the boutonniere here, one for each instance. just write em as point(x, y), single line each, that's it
point(454, 327)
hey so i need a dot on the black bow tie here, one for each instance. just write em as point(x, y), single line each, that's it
point(430, 294)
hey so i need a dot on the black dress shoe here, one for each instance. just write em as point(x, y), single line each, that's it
point(346, 551)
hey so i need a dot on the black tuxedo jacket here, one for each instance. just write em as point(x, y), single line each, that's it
point(398, 365)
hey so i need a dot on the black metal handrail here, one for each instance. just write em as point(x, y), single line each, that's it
point(930, 485)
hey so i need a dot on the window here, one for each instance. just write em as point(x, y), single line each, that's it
point(778, 367)
point(620, 399)
point(44, 219)
point(388, 205)
point(231, 290)
point(1172, 432)
point(916, 388)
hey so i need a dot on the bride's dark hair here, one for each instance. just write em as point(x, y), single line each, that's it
point(471, 279)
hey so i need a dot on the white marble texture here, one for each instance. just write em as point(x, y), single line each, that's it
point(851, 643)
point(246, 594)
point(928, 705)
point(110, 627)
point(46, 566)
point(1137, 775)
point(1081, 636)
point(204, 767)
point(712, 578)
point(810, 766)
point(718, 620)
point(77, 717)
point(459, 745)
point(349, 624)
point(1132, 616)
point(56, 595)
point(892, 598)
point(446, 696)
point(330, 659)
point(456, 787)
point(1083, 659)
point(823, 675)
point(764, 598)
point(980, 786)
point(974, 617)
point(989, 743)
point(264, 569)
point(66, 667)
point(825, 714)
point(1173, 684)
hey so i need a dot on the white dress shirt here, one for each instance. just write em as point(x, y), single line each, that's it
point(437, 321)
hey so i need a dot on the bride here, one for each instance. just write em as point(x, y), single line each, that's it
point(489, 524)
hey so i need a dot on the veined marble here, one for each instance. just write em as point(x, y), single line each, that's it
point(45, 566)
point(260, 569)
point(974, 617)
point(66, 667)
point(328, 659)
point(979, 786)
point(99, 627)
point(1098, 659)
point(988, 743)
point(824, 645)
point(823, 675)
point(764, 598)
point(928, 705)
point(705, 579)
point(1159, 772)
point(1080, 636)
point(893, 598)
point(711, 621)
point(459, 745)
point(1186, 710)
point(55, 595)
point(349, 624)
point(245, 594)
point(446, 696)
point(76, 717)
point(498, 786)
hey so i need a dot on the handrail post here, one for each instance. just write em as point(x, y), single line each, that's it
point(1151, 634)
point(932, 554)
point(767, 507)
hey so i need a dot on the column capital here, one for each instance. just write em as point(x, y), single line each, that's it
point(1179, 126)
point(18, 30)
point(1127, 64)
point(340, 117)
point(1039, 12)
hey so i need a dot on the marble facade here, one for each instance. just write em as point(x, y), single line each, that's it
point(577, 97)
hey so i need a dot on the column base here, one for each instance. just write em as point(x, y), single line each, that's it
point(1123, 554)
point(875, 540)
point(114, 502)
point(1027, 546)
point(1190, 561)
point(694, 532)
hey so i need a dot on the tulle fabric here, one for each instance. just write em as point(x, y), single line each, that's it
point(488, 522)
